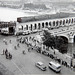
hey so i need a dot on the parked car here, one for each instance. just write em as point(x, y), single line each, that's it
point(41, 66)
point(45, 53)
point(55, 66)
point(38, 50)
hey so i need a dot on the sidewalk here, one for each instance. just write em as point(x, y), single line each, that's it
point(64, 57)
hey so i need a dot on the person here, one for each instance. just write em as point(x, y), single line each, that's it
point(10, 41)
point(15, 47)
point(18, 45)
point(6, 55)
point(54, 52)
point(6, 52)
point(4, 40)
point(10, 56)
point(23, 52)
point(29, 49)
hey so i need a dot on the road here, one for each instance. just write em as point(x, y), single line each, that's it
point(25, 64)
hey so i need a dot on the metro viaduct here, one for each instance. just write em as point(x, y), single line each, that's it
point(34, 24)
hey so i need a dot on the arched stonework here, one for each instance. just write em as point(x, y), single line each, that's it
point(66, 36)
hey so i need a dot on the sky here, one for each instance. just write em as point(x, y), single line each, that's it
point(6, 16)
point(39, 0)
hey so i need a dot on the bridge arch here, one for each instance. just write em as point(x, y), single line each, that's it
point(65, 37)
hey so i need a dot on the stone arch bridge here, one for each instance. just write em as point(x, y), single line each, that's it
point(66, 32)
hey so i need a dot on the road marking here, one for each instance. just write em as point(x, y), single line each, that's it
point(17, 67)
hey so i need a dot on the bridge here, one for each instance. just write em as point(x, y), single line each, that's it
point(66, 32)
point(56, 24)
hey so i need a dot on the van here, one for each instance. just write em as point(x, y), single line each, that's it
point(55, 66)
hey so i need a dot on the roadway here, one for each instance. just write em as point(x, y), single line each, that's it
point(25, 64)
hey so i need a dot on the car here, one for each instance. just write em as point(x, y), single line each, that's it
point(45, 53)
point(41, 66)
point(55, 66)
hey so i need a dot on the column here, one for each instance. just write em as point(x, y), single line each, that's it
point(71, 39)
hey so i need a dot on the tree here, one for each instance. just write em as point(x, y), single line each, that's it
point(49, 39)
point(56, 42)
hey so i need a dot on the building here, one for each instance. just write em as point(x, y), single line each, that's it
point(7, 27)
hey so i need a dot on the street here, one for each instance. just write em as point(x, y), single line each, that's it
point(21, 64)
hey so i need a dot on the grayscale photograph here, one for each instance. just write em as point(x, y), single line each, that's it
point(37, 37)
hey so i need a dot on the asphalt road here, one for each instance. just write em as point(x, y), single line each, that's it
point(25, 64)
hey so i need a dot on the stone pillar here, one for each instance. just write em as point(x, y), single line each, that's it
point(71, 39)
point(40, 27)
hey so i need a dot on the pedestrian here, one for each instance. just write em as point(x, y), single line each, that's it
point(4, 40)
point(6, 55)
point(29, 49)
point(54, 52)
point(18, 45)
point(10, 41)
point(74, 67)
point(15, 47)
point(6, 52)
point(10, 56)
point(23, 52)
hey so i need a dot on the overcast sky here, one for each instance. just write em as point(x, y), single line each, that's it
point(41, 0)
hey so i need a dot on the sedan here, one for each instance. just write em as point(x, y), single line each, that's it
point(41, 66)
point(45, 53)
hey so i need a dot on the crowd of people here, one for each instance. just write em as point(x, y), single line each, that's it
point(7, 54)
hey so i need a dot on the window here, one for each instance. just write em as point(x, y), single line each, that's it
point(58, 67)
point(31, 27)
point(63, 22)
point(72, 20)
point(26, 27)
point(53, 23)
point(60, 22)
point(22, 27)
point(43, 25)
point(38, 25)
point(50, 23)
point(69, 20)
point(38, 64)
point(46, 24)
point(50, 64)
point(35, 26)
